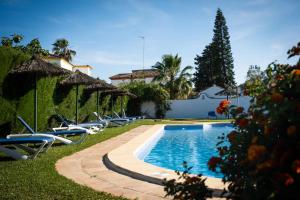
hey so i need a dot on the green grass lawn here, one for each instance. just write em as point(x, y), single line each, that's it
point(38, 179)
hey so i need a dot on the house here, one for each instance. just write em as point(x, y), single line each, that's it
point(146, 75)
point(61, 62)
point(83, 68)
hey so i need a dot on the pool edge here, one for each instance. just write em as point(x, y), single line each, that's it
point(124, 161)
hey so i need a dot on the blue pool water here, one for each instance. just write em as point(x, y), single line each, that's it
point(192, 143)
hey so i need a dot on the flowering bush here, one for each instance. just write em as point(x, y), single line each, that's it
point(187, 187)
point(262, 160)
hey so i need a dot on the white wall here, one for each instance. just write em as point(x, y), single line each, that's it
point(119, 82)
point(148, 109)
point(61, 63)
point(199, 107)
point(85, 70)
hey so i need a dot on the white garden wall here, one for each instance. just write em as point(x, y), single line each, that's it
point(199, 107)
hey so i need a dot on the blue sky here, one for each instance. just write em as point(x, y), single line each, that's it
point(105, 33)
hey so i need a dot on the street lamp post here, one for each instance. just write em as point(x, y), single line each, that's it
point(143, 38)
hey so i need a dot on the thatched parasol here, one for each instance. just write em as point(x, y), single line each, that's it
point(78, 78)
point(100, 85)
point(119, 92)
point(38, 68)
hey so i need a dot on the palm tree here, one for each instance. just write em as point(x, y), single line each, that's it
point(61, 49)
point(17, 38)
point(34, 47)
point(6, 42)
point(177, 83)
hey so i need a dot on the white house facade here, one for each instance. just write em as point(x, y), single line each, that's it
point(61, 62)
point(146, 75)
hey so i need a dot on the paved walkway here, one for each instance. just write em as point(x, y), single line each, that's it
point(86, 168)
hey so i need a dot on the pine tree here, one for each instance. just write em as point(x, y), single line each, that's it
point(204, 75)
point(215, 65)
point(222, 52)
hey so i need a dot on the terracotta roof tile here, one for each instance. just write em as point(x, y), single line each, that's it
point(136, 74)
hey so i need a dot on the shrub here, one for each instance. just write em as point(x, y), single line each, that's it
point(16, 97)
point(263, 158)
point(147, 92)
point(187, 187)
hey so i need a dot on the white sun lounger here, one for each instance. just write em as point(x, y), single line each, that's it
point(58, 135)
point(44, 143)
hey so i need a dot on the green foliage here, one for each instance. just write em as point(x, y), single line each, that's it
point(177, 83)
point(254, 82)
point(6, 41)
point(16, 96)
point(147, 92)
point(187, 187)
point(38, 179)
point(61, 49)
point(262, 160)
point(215, 65)
point(34, 47)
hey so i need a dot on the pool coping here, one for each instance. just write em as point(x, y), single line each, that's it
point(124, 161)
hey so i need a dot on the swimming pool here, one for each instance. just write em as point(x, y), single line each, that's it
point(192, 143)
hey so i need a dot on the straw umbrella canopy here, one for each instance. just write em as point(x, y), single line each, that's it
point(37, 67)
point(100, 85)
point(120, 92)
point(78, 78)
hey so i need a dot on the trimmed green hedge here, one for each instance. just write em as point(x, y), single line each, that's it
point(16, 97)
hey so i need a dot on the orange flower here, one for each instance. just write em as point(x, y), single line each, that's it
point(265, 165)
point(224, 104)
point(232, 136)
point(242, 122)
point(277, 98)
point(296, 166)
point(220, 110)
point(296, 72)
point(254, 139)
point(239, 110)
point(212, 163)
point(256, 151)
point(292, 131)
point(280, 77)
point(267, 130)
point(285, 178)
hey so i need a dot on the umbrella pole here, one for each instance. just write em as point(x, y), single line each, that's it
point(76, 103)
point(122, 107)
point(112, 105)
point(97, 102)
point(35, 103)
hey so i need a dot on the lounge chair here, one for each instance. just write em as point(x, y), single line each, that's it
point(131, 119)
point(44, 143)
point(94, 127)
point(137, 117)
point(113, 121)
point(211, 114)
point(58, 135)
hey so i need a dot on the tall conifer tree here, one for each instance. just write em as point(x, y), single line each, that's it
point(215, 65)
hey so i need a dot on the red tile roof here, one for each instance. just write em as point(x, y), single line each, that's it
point(136, 74)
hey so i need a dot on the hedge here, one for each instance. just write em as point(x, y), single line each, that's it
point(16, 97)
